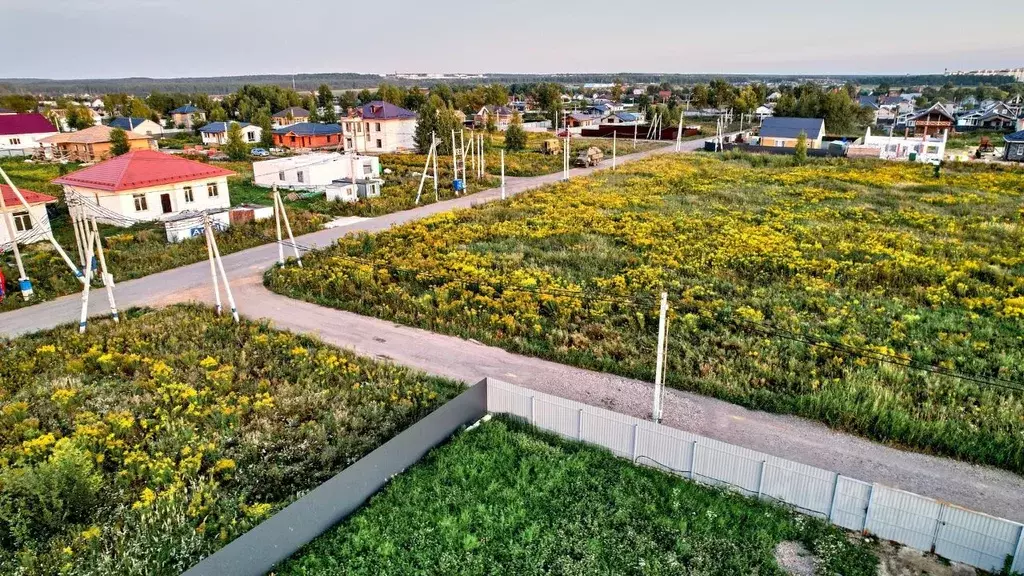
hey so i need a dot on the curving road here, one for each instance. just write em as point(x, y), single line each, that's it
point(989, 490)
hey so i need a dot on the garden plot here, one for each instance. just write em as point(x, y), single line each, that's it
point(144, 446)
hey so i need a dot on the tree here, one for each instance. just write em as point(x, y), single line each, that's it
point(643, 102)
point(426, 126)
point(347, 100)
point(119, 142)
point(79, 117)
point(447, 121)
point(262, 119)
point(217, 114)
point(786, 106)
point(324, 96)
point(515, 136)
point(236, 148)
point(617, 90)
point(800, 152)
point(492, 125)
point(700, 97)
point(330, 116)
point(746, 102)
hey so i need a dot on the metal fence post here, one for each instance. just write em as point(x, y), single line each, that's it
point(533, 410)
point(835, 497)
point(693, 460)
point(867, 511)
point(636, 430)
point(938, 526)
point(760, 480)
point(579, 426)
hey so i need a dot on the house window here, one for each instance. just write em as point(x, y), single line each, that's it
point(22, 221)
point(15, 141)
point(379, 143)
point(367, 126)
point(377, 127)
point(140, 202)
point(189, 196)
point(1020, 149)
point(211, 190)
point(301, 176)
point(280, 175)
point(251, 136)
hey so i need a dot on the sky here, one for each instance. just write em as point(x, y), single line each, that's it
point(66, 39)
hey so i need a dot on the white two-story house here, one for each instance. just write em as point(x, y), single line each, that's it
point(380, 128)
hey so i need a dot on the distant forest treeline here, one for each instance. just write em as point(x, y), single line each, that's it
point(309, 82)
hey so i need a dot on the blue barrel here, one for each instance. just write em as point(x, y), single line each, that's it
point(458, 185)
point(26, 286)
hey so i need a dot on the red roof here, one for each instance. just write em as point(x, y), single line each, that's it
point(31, 197)
point(24, 124)
point(141, 169)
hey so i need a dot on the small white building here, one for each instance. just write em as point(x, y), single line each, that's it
point(146, 185)
point(314, 171)
point(763, 112)
point(28, 224)
point(380, 128)
point(20, 134)
point(216, 133)
point(923, 148)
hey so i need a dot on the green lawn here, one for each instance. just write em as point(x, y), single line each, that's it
point(503, 499)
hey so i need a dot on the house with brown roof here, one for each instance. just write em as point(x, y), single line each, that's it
point(502, 116)
point(934, 121)
point(93, 143)
point(147, 185)
point(290, 116)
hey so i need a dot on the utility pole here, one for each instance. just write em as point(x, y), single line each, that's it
point(431, 154)
point(659, 368)
point(614, 141)
point(281, 214)
point(433, 144)
point(502, 173)
point(636, 128)
point(679, 133)
point(108, 278)
point(462, 146)
point(88, 284)
point(211, 240)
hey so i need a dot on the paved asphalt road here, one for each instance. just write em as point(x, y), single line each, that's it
point(985, 489)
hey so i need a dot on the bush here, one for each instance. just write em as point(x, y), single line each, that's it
point(515, 136)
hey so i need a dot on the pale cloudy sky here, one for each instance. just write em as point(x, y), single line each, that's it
point(168, 38)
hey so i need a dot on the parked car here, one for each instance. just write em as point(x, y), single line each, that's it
point(260, 152)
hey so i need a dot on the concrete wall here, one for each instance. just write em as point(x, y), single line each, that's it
point(318, 170)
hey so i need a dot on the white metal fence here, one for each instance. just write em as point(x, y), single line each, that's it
point(923, 523)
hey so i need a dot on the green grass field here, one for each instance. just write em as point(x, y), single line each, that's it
point(502, 499)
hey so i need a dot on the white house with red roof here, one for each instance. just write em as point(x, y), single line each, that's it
point(20, 133)
point(146, 185)
point(29, 225)
point(380, 128)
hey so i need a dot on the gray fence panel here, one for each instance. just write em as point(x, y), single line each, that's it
point(257, 551)
point(556, 418)
point(903, 517)
point(614, 435)
point(976, 539)
point(506, 401)
point(717, 466)
point(805, 487)
point(665, 451)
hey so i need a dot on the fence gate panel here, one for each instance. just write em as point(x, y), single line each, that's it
point(850, 503)
point(903, 517)
point(612, 434)
point(664, 451)
point(976, 539)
